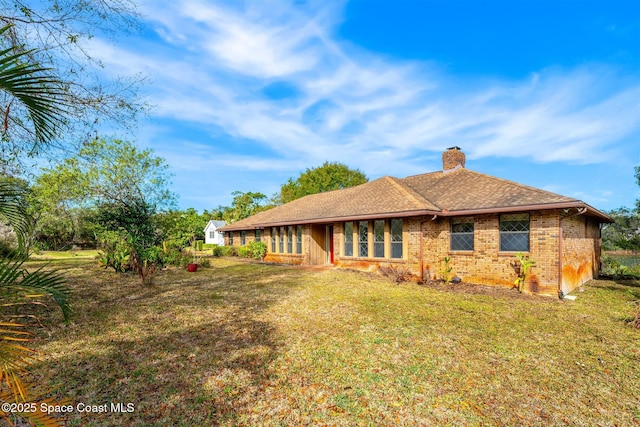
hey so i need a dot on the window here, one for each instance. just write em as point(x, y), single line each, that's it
point(299, 239)
point(273, 239)
point(212, 234)
point(348, 239)
point(396, 238)
point(258, 235)
point(461, 234)
point(231, 238)
point(514, 233)
point(281, 235)
point(290, 239)
point(378, 238)
point(243, 238)
point(363, 239)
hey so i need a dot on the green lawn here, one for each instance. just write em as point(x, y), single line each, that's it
point(64, 255)
point(253, 344)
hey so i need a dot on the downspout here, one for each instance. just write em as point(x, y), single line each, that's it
point(579, 212)
point(422, 246)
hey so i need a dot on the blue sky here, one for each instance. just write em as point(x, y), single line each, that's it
point(248, 94)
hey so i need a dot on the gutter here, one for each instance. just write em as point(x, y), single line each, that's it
point(425, 212)
point(579, 212)
point(542, 206)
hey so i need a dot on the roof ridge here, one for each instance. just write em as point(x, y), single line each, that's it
point(410, 192)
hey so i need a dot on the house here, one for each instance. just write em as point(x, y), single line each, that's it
point(478, 221)
point(212, 233)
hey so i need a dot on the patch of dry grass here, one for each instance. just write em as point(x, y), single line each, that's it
point(254, 344)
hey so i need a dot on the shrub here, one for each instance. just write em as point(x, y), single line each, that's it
point(199, 244)
point(145, 262)
point(525, 264)
point(228, 251)
point(116, 251)
point(245, 252)
point(623, 267)
point(258, 250)
point(176, 258)
point(445, 272)
point(398, 274)
point(255, 250)
point(205, 262)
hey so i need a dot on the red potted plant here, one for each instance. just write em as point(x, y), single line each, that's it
point(192, 267)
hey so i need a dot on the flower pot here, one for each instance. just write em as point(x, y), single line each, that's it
point(192, 267)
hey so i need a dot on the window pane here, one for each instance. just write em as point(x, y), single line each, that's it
point(459, 226)
point(363, 239)
point(396, 238)
point(462, 242)
point(516, 222)
point(281, 240)
point(299, 239)
point(461, 234)
point(243, 238)
point(514, 242)
point(273, 239)
point(378, 238)
point(290, 239)
point(348, 239)
point(514, 233)
point(231, 238)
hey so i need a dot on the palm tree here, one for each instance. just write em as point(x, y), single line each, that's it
point(42, 96)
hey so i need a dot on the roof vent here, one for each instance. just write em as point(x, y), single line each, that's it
point(452, 159)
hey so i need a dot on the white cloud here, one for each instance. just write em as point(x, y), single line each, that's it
point(216, 59)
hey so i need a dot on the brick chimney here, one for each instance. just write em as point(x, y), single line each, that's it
point(452, 159)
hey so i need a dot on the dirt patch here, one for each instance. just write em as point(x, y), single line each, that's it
point(478, 289)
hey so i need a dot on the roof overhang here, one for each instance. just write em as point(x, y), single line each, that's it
point(590, 211)
point(326, 220)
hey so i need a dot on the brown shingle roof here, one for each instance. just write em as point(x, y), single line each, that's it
point(463, 189)
point(383, 197)
point(455, 192)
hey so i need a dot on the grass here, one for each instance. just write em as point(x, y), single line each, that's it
point(253, 344)
point(65, 255)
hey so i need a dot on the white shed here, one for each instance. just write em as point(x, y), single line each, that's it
point(211, 233)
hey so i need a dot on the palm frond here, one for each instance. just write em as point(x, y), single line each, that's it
point(17, 284)
point(13, 208)
point(40, 92)
point(14, 358)
point(37, 417)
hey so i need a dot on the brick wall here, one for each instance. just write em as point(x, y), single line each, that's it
point(284, 257)
point(486, 264)
point(580, 251)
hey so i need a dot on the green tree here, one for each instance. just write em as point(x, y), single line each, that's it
point(58, 228)
point(624, 233)
point(179, 227)
point(106, 172)
point(127, 187)
point(328, 177)
point(244, 205)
